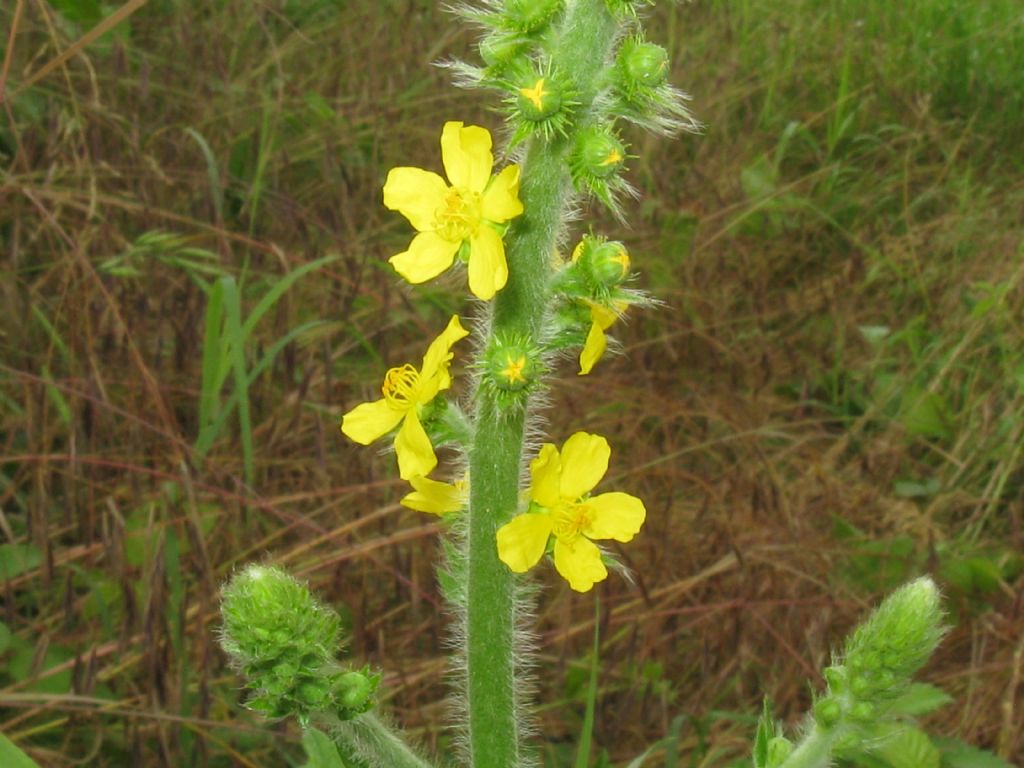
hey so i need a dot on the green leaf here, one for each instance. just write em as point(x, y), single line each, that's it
point(920, 699)
point(12, 757)
point(765, 731)
point(957, 754)
point(320, 750)
point(925, 414)
point(908, 748)
point(16, 559)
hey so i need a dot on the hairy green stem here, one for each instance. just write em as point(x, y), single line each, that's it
point(366, 742)
point(813, 751)
point(496, 457)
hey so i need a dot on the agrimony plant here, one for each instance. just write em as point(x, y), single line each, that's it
point(567, 73)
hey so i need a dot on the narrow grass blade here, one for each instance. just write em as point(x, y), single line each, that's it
point(212, 363)
point(236, 351)
point(271, 297)
point(212, 172)
point(217, 425)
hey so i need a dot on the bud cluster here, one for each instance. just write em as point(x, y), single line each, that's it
point(284, 642)
point(525, 59)
point(881, 657)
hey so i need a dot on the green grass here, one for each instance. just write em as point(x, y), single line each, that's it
point(195, 287)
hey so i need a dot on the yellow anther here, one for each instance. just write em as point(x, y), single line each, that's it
point(400, 385)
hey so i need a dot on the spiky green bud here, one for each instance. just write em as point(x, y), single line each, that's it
point(512, 367)
point(499, 49)
point(604, 264)
point(598, 152)
point(643, 64)
point(539, 99)
point(530, 16)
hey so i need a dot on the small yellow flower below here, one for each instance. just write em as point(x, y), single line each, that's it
point(405, 390)
point(562, 507)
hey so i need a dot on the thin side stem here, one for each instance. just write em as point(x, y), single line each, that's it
point(366, 741)
point(813, 751)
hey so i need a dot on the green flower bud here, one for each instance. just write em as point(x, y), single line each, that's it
point(861, 686)
point(356, 690)
point(605, 263)
point(498, 49)
point(531, 15)
point(511, 364)
point(540, 100)
point(898, 637)
point(827, 712)
point(644, 64)
point(779, 748)
point(836, 679)
point(598, 153)
point(863, 712)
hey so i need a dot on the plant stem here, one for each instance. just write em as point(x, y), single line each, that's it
point(366, 741)
point(496, 457)
point(813, 751)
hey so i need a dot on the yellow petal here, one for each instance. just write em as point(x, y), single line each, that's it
point(488, 270)
point(604, 317)
point(415, 453)
point(369, 421)
point(614, 515)
point(522, 540)
point(416, 194)
point(545, 476)
point(434, 497)
point(466, 154)
point(428, 256)
point(434, 373)
point(584, 462)
point(501, 200)
point(579, 563)
point(593, 349)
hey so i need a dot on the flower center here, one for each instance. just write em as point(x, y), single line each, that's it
point(570, 520)
point(458, 216)
point(400, 387)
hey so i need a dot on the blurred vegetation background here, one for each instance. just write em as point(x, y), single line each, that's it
point(194, 287)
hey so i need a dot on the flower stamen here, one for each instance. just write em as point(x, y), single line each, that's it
point(400, 387)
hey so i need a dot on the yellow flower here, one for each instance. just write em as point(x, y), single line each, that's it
point(561, 506)
point(468, 212)
point(436, 497)
point(601, 319)
point(405, 390)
